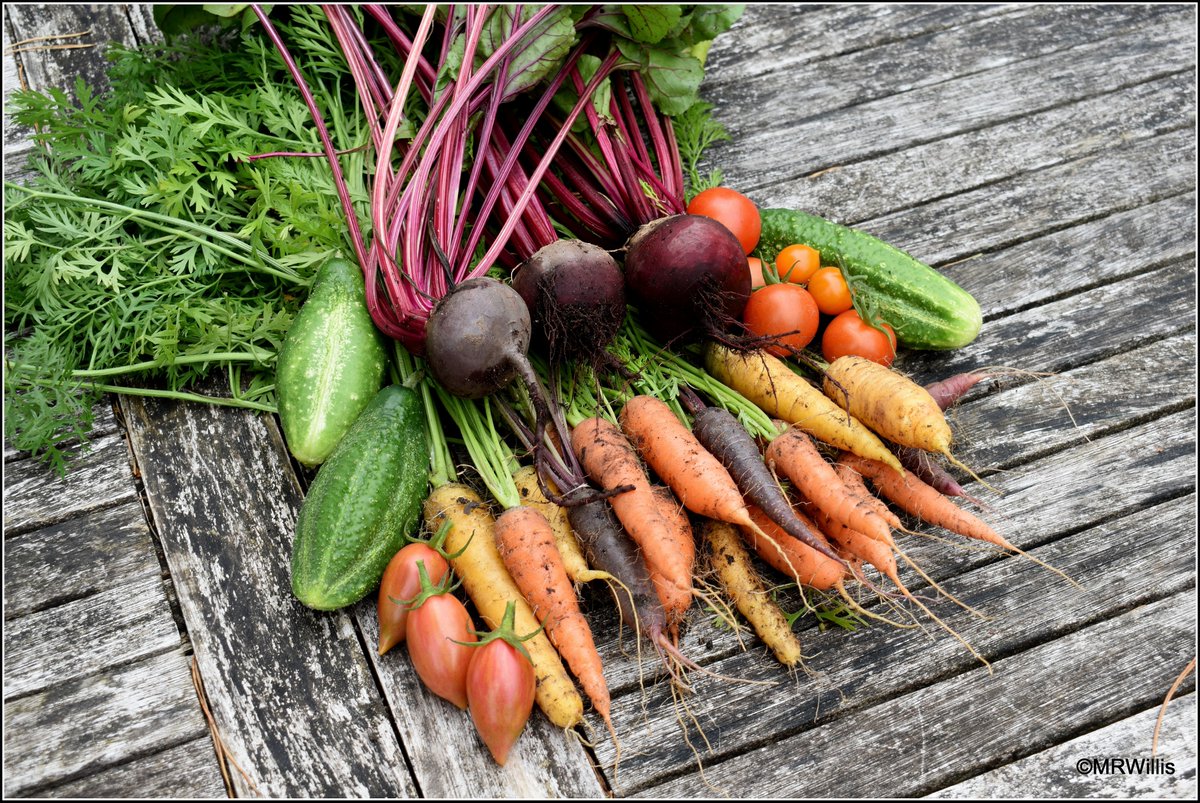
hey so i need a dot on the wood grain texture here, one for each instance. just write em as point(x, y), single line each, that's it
point(92, 724)
point(1129, 739)
point(97, 477)
point(925, 739)
point(157, 775)
point(121, 624)
point(803, 137)
point(83, 556)
point(290, 689)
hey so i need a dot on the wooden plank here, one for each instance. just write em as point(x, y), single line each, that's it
point(37, 497)
point(83, 556)
point(1068, 332)
point(918, 741)
point(1130, 739)
point(84, 726)
point(1063, 504)
point(1047, 415)
point(545, 763)
point(873, 187)
point(259, 650)
point(1013, 210)
point(157, 775)
point(1115, 246)
point(889, 49)
point(101, 24)
point(804, 136)
point(783, 37)
point(122, 624)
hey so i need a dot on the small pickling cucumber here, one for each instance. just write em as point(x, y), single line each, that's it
point(927, 310)
point(331, 365)
point(365, 500)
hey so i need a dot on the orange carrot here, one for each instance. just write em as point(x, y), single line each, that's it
point(860, 492)
point(917, 498)
point(675, 600)
point(610, 461)
point(699, 480)
point(791, 556)
point(527, 546)
point(795, 455)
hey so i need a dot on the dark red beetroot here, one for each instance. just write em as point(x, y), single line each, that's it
point(477, 339)
point(576, 297)
point(687, 275)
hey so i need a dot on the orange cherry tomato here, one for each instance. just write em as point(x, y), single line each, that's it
point(829, 290)
point(785, 312)
point(737, 212)
point(850, 334)
point(797, 263)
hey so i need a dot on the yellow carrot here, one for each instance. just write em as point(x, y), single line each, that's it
point(781, 393)
point(490, 588)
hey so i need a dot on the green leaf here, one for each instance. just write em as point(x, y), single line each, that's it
point(672, 78)
point(538, 54)
point(650, 24)
point(708, 21)
point(174, 20)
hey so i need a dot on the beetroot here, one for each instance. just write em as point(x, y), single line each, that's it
point(576, 298)
point(687, 275)
point(477, 338)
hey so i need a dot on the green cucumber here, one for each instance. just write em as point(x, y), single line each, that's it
point(927, 310)
point(365, 500)
point(331, 365)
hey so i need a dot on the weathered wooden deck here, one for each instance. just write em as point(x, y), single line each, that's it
point(1042, 156)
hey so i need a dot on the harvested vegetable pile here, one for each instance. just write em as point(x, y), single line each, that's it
point(481, 232)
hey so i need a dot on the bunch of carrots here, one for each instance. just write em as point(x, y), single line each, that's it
point(658, 491)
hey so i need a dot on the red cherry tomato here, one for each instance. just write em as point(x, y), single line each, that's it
point(401, 582)
point(850, 334)
point(786, 311)
point(797, 263)
point(500, 693)
point(433, 628)
point(829, 289)
point(729, 207)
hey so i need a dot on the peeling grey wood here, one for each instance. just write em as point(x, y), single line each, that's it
point(86, 555)
point(88, 725)
point(36, 497)
point(802, 138)
point(883, 49)
point(157, 775)
point(87, 635)
point(1010, 211)
point(1069, 331)
point(290, 689)
point(545, 763)
point(917, 741)
point(870, 188)
point(1171, 777)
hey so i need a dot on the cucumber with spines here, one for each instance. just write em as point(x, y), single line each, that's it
point(366, 499)
point(331, 365)
point(927, 310)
